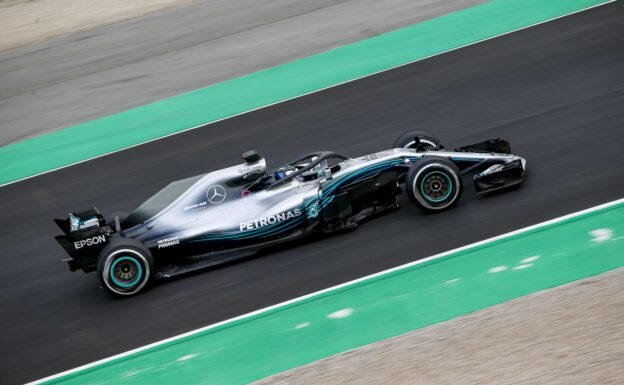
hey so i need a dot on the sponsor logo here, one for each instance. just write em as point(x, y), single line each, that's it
point(74, 222)
point(196, 205)
point(270, 220)
point(90, 242)
point(215, 194)
point(314, 210)
point(247, 170)
point(162, 243)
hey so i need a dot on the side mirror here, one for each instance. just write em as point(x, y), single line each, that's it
point(251, 156)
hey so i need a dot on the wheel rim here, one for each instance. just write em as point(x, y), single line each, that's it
point(144, 275)
point(126, 271)
point(436, 186)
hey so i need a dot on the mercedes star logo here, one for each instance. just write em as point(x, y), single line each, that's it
point(215, 194)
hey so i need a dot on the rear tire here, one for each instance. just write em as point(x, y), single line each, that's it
point(125, 267)
point(434, 184)
point(428, 140)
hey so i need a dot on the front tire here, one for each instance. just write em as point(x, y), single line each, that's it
point(125, 267)
point(434, 184)
point(428, 141)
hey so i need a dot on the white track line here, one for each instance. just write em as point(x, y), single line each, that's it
point(312, 92)
point(333, 288)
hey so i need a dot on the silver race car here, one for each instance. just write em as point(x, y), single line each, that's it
point(236, 211)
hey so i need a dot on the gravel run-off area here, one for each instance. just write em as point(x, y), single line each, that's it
point(25, 22)
point(572, 334)
point(91, 59)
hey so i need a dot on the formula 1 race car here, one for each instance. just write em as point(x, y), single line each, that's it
point(235, 212)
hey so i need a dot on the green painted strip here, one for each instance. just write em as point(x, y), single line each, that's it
point(378, 308)
point(113, 133)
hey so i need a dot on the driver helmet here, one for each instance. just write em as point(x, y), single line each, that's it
point(283, 172)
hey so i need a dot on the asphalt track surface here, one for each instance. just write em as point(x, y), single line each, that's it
point(556, 91)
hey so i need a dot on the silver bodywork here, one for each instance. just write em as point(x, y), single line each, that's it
point(237, 211)
point(216, 207)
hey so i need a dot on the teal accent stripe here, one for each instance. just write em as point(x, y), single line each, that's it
point(291, 223)
point(360, 174)
point(98, 137)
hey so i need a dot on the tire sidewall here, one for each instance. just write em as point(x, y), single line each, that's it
point(425, 168)
point(130, 249)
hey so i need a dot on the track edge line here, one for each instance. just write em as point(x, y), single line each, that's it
point(307, 93)
point(523, 230)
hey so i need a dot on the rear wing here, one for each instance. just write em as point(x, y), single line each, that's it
point(84, 235)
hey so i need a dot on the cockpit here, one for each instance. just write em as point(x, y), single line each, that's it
point(316, 165)
point(312, 166)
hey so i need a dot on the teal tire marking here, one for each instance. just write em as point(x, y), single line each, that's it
point(422, 187)
point(121, 284)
